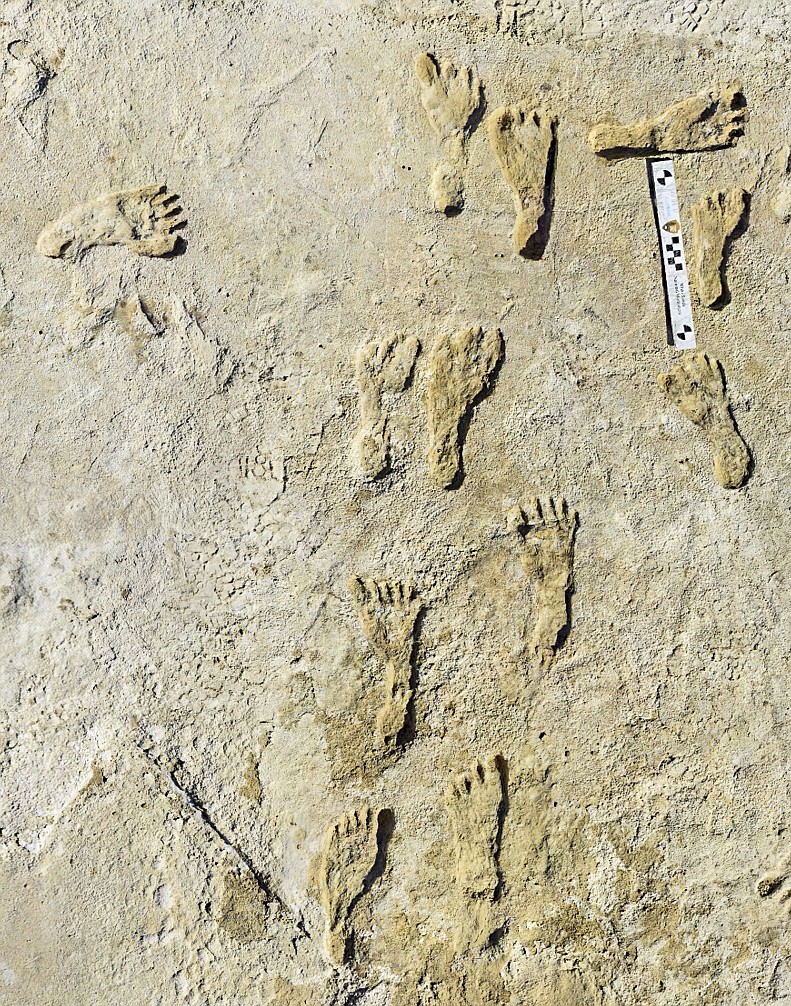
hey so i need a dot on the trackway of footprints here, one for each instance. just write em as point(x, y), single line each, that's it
point(352, 847)
point(462, 367)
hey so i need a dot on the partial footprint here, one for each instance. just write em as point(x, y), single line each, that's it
point(348, 856)
point(462, 367)
point(546, 551)
point(523, 140)
point(244, 907)
point(696, 384)
point(475, 801)
point(777, 885)
point(388, 611)
point(714, 220)
point(703, 121)
point(145, 220)
point(451, 96)
point(382, 367)
point(25, 77)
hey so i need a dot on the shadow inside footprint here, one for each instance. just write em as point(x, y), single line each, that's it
point(466, 419)
point(407, 732)
point(385, 829)
point(725, 297)
point(179, 248)
point(536, 246)
point(502, 813)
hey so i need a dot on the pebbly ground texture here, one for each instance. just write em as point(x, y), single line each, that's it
point(507, 723)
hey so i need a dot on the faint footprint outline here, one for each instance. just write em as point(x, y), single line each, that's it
point(383, 368)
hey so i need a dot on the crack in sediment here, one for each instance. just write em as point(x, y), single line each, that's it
point(200, 811)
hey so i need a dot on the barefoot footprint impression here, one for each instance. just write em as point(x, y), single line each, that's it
point(696, 384)
point(145, 220)
point(383, 368)
point(474, 801)
point(522, 139)
point(462, 367)
point(348, 855)
point(704, 121)
point(451, 95)
point(546, 551)
point(714, 219)
point(387, 611)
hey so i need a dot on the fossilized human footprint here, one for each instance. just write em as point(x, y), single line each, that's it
point(474, 800)
point(25, 77)
point(714, 219)
point(522, 139)
point(546, 551)
point(145, 220)
point(703, 121)
point(348, 855)
point(451, 95)
point(387, 611)
point(462, 367)
point(696, 384)
point(383, 367)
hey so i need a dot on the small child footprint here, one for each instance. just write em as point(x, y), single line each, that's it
point(777, 884)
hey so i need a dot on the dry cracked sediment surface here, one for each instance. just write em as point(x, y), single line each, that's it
point(197, 803)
